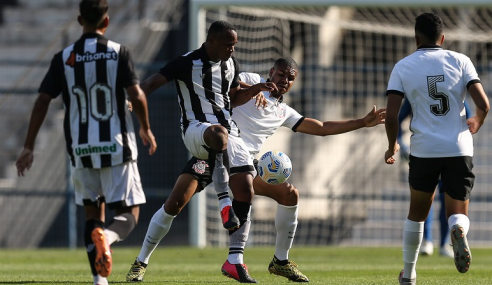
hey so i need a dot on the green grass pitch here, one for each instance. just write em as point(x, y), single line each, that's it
point(184, 265)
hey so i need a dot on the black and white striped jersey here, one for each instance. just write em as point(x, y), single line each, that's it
point(203, 88)
point(92, 75)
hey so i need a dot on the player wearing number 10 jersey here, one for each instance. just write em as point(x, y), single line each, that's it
point(435, 82)
point(94, 76)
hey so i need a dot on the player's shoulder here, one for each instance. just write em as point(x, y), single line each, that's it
point(250, 78)
point(457, 55)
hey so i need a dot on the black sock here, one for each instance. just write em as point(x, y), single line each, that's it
point(280, 262)
point(241, 209)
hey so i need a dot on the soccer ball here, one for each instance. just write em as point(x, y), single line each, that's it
point(274, 167)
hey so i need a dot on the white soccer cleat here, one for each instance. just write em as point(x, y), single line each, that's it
point(446, 251)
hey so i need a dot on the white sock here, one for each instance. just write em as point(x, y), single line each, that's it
point(286, 225)
point(220, 177)
point(413, 233)
point(158, 227)
point(111, 236)
point(461, 219)
point(99, 280)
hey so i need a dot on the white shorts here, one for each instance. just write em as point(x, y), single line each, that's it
point(119, 185)
point(239, 158)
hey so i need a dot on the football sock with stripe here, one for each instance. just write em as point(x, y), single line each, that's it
point(220, 177)
point(286, 225)
point(239, 236)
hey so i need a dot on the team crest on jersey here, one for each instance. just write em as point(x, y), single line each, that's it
point(229, 75)
point(281, 112)
point(200, 166)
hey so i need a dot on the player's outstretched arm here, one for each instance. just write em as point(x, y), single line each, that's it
point(392, 126)
point(482, 103)
point(240, 96)
point(139, 106)
point(38, 114)
point(318, 128)
point(150, 84)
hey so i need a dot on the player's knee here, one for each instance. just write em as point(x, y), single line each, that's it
point(289, 196)
point(216, 137)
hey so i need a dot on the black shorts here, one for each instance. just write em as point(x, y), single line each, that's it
point(455, 172)
point(200, 169)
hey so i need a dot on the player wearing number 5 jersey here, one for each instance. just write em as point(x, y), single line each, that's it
point(435, 82)
point(94, 76)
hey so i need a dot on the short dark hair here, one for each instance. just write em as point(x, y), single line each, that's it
point(93, 11)
point(286, 61)
point(429, 25)
point(219, 26)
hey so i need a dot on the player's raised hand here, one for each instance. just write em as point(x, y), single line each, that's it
point(260, 100)
point(375, 117)
point(24, 161)
point(389, 155)
point(148, 138)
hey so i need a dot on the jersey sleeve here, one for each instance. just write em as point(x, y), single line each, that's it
point(293, 118)
point(395, 85)
point(470, 74)
point(250, 78)
point(127, 68)
point(52, 83)
point(173, 69)
point(235, 80)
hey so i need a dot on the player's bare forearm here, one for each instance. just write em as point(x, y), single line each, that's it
point(240, 96)
point(38, 114)
point(481, 101)
point(141, 111)
point(150, 84)
point(139, 106)
point(318, 128)
point(25, 159)
point(391, 132)
point(392, 126)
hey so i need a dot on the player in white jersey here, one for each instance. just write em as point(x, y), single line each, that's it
point(94, 76)
point(256, 126)
point(435, 82)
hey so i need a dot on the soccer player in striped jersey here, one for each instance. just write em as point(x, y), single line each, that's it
point(94, 76)
point(208, 88)
point(256, 126)
point(435, 82)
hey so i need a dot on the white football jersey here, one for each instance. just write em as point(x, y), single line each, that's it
point(256, 125)
point(435, 83)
